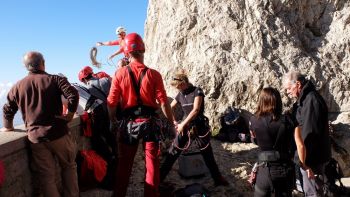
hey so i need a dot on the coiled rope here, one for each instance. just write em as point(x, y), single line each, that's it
point(93, 54)
point(94, 62)
point(189, 142)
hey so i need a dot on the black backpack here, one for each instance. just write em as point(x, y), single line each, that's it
point(233, 127)
point(192, 190)
point(334, 173)
point(103, 141)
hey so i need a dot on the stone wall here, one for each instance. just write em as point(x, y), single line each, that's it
point(14, 155)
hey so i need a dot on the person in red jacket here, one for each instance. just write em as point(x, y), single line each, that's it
point(137, 103)
point(121, 33)
point(88, 72)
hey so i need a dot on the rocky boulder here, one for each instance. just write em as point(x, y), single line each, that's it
point(232, 49)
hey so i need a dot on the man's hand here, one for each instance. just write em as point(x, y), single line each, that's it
point(7, 129)
point(310, 173)
point(99, 44)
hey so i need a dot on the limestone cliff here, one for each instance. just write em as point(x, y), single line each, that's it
point(233, 48)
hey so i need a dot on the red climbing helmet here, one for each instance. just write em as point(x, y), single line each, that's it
point(86, 71)
point(133, 42)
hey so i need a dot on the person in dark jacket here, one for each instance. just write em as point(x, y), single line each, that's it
point(311, 133)
point(38, 96)
point(191, 99)
point(274, 136)
point(98, 86)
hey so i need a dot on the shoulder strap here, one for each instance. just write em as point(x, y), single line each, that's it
point(137, 86)
point(82, 87)
point(99, 90)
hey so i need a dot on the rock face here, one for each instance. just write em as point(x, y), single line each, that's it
point(340, 145)
point(234, 48)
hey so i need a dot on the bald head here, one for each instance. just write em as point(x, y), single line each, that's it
point(34, 61)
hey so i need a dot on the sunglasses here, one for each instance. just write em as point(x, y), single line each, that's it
point(177, 79)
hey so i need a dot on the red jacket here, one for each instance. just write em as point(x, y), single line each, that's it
point(119, 42)
point(151, 91)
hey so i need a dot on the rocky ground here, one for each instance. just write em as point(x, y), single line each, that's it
point(234, 160)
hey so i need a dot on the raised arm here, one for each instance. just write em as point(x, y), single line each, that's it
point(116, 53)
point(108, 43)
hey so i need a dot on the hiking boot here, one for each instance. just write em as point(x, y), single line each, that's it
point(221, 181)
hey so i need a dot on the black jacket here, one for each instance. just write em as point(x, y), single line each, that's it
point(312, 117)
point(274, 134)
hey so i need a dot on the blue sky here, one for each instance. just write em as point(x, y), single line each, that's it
point(64, 31)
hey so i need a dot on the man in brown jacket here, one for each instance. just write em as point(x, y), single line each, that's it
point(38, 96)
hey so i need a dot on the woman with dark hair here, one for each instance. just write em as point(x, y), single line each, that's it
point(273, 133)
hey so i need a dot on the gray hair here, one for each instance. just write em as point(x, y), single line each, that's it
point(292, 77)
point(32, 60)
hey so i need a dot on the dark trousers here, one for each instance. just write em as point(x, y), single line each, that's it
point(174, 152)
point(265, 185)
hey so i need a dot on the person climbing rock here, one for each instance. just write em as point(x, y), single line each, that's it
point(121, 33)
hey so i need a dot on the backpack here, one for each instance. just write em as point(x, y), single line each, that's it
point(86, 100)
point(92, 169)
point(103, 141)
point(334, 173)
point(233, 127)
point(192, 190)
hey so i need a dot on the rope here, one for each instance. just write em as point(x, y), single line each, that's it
point(110, 62)
point(186, 146)
point(205, 135)
point(93, 54)
point(190, 142)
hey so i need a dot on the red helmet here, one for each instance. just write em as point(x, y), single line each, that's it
point(133, 42)
point(86, 71)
